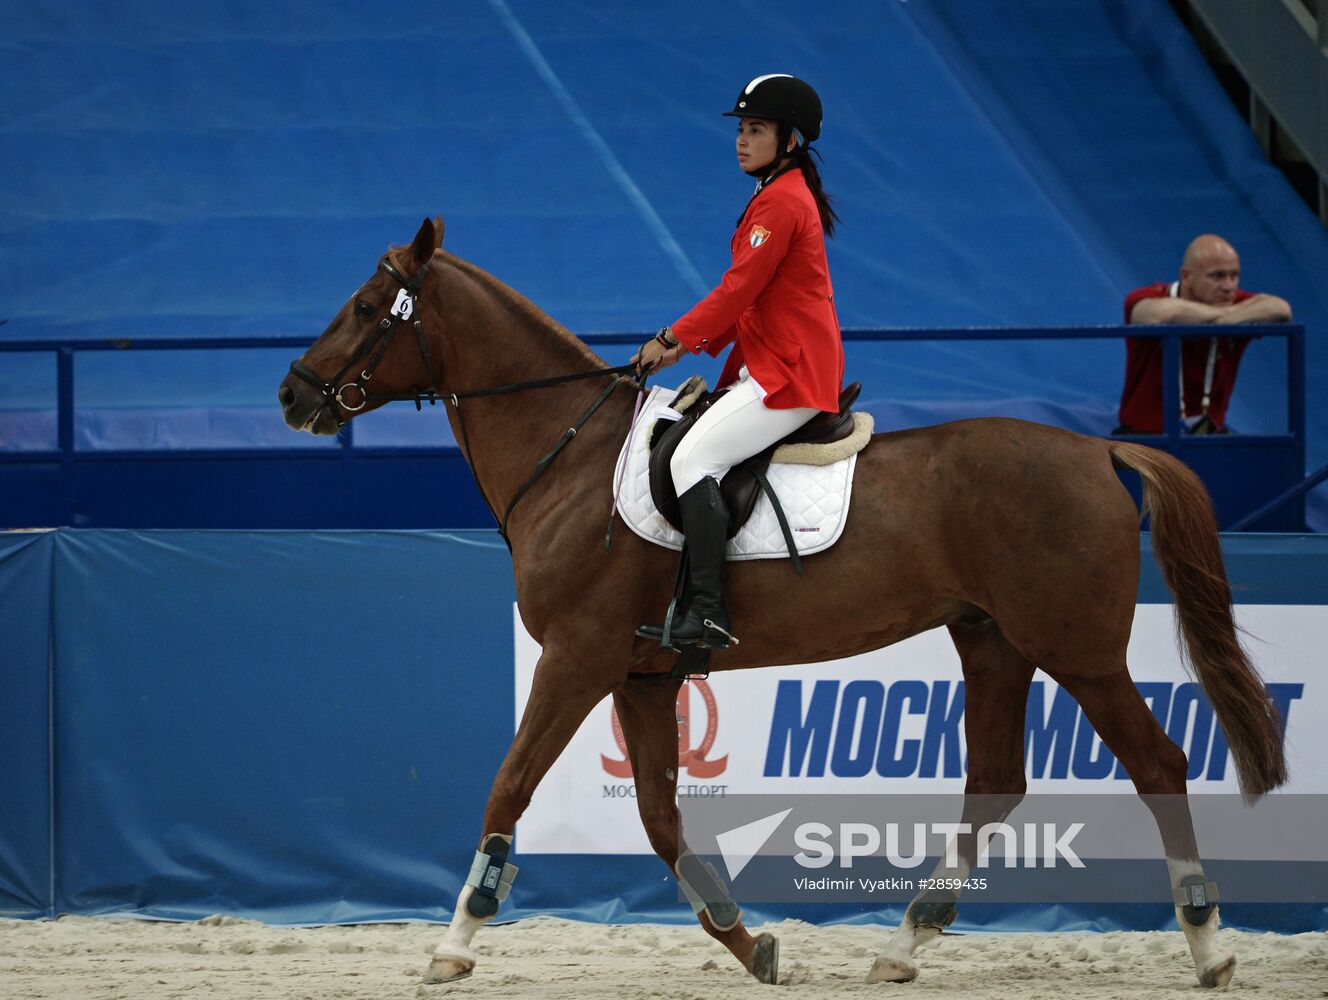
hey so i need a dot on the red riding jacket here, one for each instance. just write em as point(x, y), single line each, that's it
point(776, 302)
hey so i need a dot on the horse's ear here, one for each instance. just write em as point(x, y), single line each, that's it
point(427, 240)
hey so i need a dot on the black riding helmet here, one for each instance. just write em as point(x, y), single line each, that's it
point(784, 99)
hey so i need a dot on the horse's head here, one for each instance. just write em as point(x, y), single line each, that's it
point(375, 336)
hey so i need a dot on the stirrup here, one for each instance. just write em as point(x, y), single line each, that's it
point(657, 633)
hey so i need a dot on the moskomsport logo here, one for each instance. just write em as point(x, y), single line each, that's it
point(696, 760)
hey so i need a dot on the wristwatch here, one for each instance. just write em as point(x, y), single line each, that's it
point(666, 337)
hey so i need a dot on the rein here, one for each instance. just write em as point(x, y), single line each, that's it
point(403, 309)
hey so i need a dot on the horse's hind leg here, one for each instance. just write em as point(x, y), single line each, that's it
point(1157, 767)
point(996, 680)
point(647, 710)
point(564, 691)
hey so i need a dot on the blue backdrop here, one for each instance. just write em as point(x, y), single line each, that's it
point(225, 169)
point(303, 726)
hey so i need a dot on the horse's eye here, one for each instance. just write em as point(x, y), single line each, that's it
point(363, 309)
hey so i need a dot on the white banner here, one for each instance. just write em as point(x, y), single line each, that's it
point(892, 721)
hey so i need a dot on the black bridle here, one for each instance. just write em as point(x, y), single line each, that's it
point(402, 310)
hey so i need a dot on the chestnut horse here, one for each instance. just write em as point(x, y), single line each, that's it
point(1018, 538)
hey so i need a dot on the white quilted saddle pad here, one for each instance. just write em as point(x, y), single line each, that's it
point(814, 497)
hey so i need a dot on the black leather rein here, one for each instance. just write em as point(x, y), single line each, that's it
point(404, 309)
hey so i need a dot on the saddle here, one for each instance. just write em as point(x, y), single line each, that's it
point(742, 485)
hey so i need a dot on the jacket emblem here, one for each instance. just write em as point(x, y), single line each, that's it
point(759, 235)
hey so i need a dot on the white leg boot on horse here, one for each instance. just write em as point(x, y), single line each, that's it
point(1212, 965)
point(996, 679)
point(924, 921)
point(1158, 769)
point(647, 710)
point(560, 699)
point(476, 905)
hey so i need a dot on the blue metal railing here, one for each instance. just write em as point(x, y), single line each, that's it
point(1172, 439)
point(1171, 336)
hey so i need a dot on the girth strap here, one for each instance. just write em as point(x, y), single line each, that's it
point(783, 521)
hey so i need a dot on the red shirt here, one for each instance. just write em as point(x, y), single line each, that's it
point(1141, 399)
point(775, 303)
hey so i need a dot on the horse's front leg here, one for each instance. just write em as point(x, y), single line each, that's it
point(562, 694)
point(647, 710)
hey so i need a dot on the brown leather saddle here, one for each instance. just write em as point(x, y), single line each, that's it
point(743, 483)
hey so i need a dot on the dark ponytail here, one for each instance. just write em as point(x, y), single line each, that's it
point(823, 201)
point(802, 157)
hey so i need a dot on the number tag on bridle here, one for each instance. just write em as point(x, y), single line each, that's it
point(404, 305)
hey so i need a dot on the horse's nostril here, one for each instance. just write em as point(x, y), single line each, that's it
point(287, 395)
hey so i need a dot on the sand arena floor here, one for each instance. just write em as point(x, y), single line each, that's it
point(224, 958)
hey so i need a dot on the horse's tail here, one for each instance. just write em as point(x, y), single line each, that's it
point(1185, 542)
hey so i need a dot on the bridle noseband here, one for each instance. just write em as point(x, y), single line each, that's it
point(402, 310)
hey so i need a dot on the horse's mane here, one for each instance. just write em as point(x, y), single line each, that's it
point(525, 310)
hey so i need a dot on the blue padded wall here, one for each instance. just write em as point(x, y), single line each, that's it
point(247, 718)
point(303, 727)
point(25, 671)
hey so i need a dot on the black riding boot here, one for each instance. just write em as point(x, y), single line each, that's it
point(705, 523)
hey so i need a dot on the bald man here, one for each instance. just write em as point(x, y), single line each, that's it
point(1208, 292)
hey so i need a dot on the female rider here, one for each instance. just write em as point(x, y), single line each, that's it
point(776, 306)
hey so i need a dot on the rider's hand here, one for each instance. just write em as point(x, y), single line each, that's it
point(654, 356)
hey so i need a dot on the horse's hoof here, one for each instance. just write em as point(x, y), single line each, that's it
point(892, 970)
point(765, 959)
point(448, 970)
point(1219, 973)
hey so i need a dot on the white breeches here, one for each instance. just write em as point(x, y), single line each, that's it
point(735, 428)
